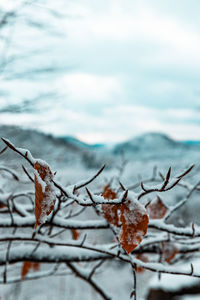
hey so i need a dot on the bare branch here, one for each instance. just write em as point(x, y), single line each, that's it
point(81, 275)
point(28, 175)
point(80, 185)
point(3, 150)
point(164, 187)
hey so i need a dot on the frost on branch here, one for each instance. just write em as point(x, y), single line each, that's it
point(45, 195)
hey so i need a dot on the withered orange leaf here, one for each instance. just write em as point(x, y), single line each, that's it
point(108, 193)
point(45, 196)
point(143, 258)
point(2, 205)
point(27, 266)
point(75, 234)
point(169, 251)
point(110, 211)
point(35, 266)
point(134, 221)
point(157, 209)
point(131, 215)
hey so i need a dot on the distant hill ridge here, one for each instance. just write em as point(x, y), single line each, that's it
point(41, 145)
point(155, 145)
point(152, 140)
point(69, 149)
point(55, 150)
point(74, 141)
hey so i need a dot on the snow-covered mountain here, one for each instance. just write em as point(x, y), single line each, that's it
point(71, 151)
point(74, 141)
point(57, 151)
point(156, 146)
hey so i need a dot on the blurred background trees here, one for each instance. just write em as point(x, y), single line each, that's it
point(30, 33)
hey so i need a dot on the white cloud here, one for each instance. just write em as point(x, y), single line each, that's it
point(115, 124)
point(10, 4)
point(139, 22)
point(183, 114)
point(85, 87)
point(123, 122)
point(160, 88)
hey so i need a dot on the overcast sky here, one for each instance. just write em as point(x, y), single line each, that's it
point(130, 67)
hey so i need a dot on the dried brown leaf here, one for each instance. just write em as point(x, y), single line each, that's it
point(75, 234)
point(157, 209)
point(169, 251)
point(143, 258)
point(27, 266)
point(44, 193)
point(110, 211)
point(134, 221)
